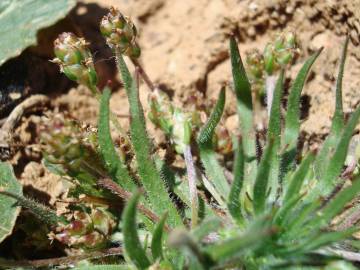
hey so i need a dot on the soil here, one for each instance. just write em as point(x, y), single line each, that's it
point(185, 50)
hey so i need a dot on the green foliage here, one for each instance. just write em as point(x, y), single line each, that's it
point(115, 166)
point(207, 154)
point(157, 239)
point(150, 176)
point(277, 213)
point(21, 19)
point(8, 208)
point(132, 243)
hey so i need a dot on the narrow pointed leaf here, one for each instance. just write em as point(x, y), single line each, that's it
point(336, 162)
point(234, 205)
point(132, 242)
point(337, 124)
point(335, 206)
point(244, 100)
point(297, 179)
point(242, 90)
point(157, 239)
point(262, 179)
point(150, 176)
point(114, 165)
point(292, 118)
point(212, 167)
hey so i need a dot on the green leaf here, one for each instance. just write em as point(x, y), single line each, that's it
point(114, 165)
point(274, 133)
point(212, 167)
point(234, 204)
point(8, 208)
point(157, 239)
point(336, 162)
point(335, 206)
point(292, 118)
point(262, 179)
point(338, 119)
point(299, 218)
point(244, 101)
point(21, 19)
point(132, 242)
point(242, 89)
point(297, 179)
point(337, 124)
point(150, 176)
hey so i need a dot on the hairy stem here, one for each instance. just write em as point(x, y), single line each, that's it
point(270, 83)
point(126, 195)
point(143, 74)
point(191, 173)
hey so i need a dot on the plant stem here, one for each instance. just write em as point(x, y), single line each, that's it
point(143, 74)
point(191, 173)
point(126, 195)
point(270, 82)
point(61, 260)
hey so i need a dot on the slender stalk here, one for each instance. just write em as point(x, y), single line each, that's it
point(126, 195)
point(270, 82)
point(191, 173)
point(143, 74)
point(61, 260)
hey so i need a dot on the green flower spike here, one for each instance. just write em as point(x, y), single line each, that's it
point(120, 32)
point(280, 53)
point(74, 58)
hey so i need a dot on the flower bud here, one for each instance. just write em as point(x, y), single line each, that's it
point(280, 53)
point(74, 58)
point(120, 32)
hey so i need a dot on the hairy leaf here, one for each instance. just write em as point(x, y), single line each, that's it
point(212, 167)
point(132, 242)
point(234, 204)
point(114, 165)
point(157, 239)
point(150, 176)
point(242, 89)
point(292, 118)
point(336, 162)
point(335, 206)
point(298, 177)
point(262, 179)
point(337, 124)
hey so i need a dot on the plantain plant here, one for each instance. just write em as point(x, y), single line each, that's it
point(277, 208)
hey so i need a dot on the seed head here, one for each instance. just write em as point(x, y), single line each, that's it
point(120, 32)
point(74, 58)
